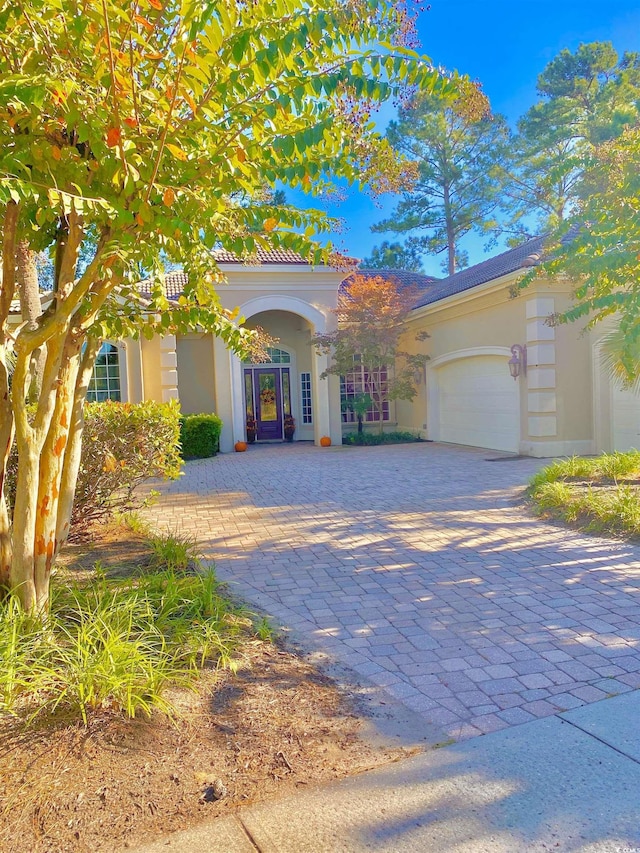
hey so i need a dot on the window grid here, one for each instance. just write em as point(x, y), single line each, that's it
point(305, 385)
point(274, 356)
point(362, 381)
point(105, 380)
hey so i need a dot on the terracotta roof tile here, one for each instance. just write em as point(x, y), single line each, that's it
point(402, 278)
point(522, 257)
point(261, 256)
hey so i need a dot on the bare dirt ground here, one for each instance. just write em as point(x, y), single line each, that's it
point(275, 725)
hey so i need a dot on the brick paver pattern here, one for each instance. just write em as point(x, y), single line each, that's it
point(419, 567)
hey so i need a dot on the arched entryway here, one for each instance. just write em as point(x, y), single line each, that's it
point(290, 383)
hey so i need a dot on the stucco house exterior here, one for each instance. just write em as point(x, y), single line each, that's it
point(289, 299)
point(561, 402)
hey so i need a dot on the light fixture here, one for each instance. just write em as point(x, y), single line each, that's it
point(518, 361)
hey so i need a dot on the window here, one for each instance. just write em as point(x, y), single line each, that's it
point(362, 381)
point(105, 382)
point(275, 356)
point(305, 387)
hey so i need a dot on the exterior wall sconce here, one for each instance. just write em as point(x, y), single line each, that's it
point(518, 361)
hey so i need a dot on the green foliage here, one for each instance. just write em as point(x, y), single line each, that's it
point(599, 249)
point(200, 436)
point(369, 439)
point(588, 97)
point(115, 644)
point(600, 494)
point(159, 126)
point(393, 256)
point(125, 444)
point(459, 184)
point(371, 313)
point(175, 551)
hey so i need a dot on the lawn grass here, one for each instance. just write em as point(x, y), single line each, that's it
point(119, 643)
point(599, 494)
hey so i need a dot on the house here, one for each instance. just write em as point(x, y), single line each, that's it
point(498, 376)
point(280, 293)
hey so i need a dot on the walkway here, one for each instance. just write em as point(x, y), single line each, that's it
point(416, 566)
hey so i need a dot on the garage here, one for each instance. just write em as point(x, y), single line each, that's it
point(625, 410)
point(475, 401)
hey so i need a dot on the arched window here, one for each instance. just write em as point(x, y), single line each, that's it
point(275, 356)
point(105, 382)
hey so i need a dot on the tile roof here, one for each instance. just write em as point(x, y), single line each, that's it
point(261, 256)
point(175, 283)
point(402, 278)
point(522, 257)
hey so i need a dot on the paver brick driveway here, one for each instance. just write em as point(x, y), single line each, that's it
point(417, 566)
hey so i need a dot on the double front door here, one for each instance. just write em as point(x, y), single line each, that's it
point(268, 400)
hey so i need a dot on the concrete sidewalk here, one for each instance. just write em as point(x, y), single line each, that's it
point(569, 782)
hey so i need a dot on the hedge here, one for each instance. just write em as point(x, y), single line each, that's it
point(200, 436)
point(123, 445)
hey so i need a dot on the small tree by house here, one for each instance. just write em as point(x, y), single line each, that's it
point(371, 317)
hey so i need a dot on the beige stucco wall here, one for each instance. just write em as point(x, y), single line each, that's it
point(196, 381)
point(150, 351)
point(555, 396)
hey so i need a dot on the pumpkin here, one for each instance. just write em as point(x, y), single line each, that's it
point(325, 441)
point(240, 446)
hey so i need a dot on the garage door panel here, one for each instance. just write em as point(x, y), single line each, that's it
point(626, 419)
point(478, 404)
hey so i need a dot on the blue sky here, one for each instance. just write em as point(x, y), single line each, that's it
point(504, 44)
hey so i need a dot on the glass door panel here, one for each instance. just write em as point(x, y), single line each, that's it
point(268, 403)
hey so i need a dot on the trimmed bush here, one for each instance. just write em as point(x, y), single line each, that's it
point(123, 445)
point(200, 436)
point(372, 438)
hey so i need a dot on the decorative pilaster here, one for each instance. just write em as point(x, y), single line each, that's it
point(541, 369)
point(168, 368)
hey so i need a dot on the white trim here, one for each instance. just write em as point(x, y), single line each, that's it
point(123, 368)
point(290, 304)
point(469, 352)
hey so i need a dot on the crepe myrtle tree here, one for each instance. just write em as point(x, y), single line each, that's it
point(145, 130)
point(371, 315)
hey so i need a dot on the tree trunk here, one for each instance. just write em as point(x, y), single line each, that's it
point(74, 447)
point(30, 309)
point(7, 289)
point(451, 234)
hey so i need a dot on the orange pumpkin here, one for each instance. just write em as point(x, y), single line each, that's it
point(240, 446)
point(325, 441)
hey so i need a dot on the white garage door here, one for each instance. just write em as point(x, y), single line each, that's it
point(625, 405)
point(478, 403)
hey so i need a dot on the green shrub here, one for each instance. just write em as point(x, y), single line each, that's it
point(372, 438)
point(200, 436)
point(115, 644)
point(123, 445)
point(587, 492)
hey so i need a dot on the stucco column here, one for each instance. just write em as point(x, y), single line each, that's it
point(133, 363)
point(542, 424)
point(168, 368)
point(326, 402)
point(224, 393)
